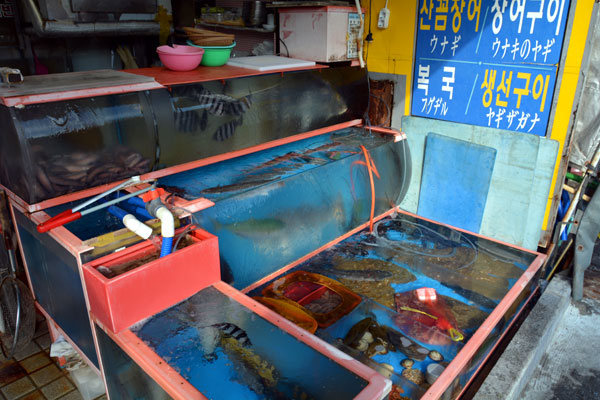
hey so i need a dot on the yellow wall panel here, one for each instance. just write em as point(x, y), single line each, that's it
point(392, 49)
point(566, 95)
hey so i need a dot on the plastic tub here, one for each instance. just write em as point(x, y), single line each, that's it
point(214, 56)
point(180, 58)
point(123, 300)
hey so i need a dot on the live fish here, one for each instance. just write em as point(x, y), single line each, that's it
point(406, 345)
point(63, 173)
point(448, 277)
point(293, 158)
point(361, 274)
point(191, 121)
point(235, 332)
point(324, 147)
point(234, 187)
point(221, 104)
point(227, 130)
point(277, 160)
point(215, 103)
point(473, 296)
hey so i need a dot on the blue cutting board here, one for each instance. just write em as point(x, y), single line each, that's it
point(455, 181)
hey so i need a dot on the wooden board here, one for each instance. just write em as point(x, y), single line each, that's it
point(53, 87)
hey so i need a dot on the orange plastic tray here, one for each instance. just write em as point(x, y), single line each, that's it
point(300, 288)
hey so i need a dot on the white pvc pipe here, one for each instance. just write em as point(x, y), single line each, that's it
point(360, 33)
point(137, 227)
point(167, 222)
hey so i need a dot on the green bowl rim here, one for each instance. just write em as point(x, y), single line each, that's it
point(232, 45)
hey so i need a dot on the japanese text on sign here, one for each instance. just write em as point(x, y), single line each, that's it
point(488, 62)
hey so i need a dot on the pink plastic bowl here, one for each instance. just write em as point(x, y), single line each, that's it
point(180, 58)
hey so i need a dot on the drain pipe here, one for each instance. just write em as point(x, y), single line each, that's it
point(157, 209)
point(131, 222)
point(361, 31)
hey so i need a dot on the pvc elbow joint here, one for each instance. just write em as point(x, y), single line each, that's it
point(167, 221)
point(137, 227)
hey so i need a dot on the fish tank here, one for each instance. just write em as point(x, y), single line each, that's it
point(51, 149)
point(199, 120)
point(316, 189)
point(55, 148)
point(426, 289)
point(225, 350)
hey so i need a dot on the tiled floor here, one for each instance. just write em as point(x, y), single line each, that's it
point(32, 375)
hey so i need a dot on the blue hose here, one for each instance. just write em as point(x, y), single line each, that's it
point(139, 212)
point(117, 212)
point(136, 201)
point(135, 206)
point(167, 244)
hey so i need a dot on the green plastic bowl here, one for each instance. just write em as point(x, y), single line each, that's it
point(214, 56)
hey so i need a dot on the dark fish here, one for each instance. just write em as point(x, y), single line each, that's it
point(357, 331)
point(188, 121)
point(215, 103)
point(227, 130)
point(406, 346)
point(446, 276)
point(221, 104)
point(235, 332)
point(324, 147)
point(204, 120)
point(360, 274)
point(475, 297)
point(234, 187)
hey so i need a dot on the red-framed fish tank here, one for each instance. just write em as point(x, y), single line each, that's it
point(386, 293)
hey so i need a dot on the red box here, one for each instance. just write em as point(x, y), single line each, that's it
point(126, 299)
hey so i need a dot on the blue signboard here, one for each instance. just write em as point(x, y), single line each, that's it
point(488, 62)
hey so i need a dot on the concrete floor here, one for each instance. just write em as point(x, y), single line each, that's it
point(556, 352)
point(570, 367)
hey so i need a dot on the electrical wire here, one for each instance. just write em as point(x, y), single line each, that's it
point(189, 228)
point(366, 114)
point(284, 45)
